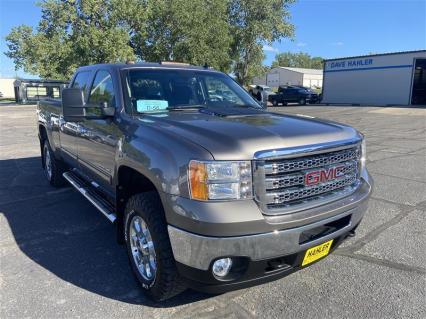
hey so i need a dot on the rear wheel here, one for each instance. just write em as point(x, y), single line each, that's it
point(302, 101)
point(53, 168)
point(148, 247)
point(274, 102)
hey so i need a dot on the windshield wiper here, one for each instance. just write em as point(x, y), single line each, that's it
point(186, 107)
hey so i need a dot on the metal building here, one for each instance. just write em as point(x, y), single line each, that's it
point(291, 76)
point(28, 91)
point(381, 79)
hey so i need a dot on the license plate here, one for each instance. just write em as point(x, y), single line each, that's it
point(317, 252)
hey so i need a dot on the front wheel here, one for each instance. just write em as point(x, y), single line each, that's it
point(274, 102)
point(148, 247)
point(302, 101)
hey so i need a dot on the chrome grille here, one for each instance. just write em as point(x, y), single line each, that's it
point(280, 185)
point(310, 162)
point(294, 194)
point(299, 178)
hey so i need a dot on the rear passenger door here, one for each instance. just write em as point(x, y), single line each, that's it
point(69, 131)
point(98, 137)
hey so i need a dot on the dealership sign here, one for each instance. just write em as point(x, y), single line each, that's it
point(349, 64)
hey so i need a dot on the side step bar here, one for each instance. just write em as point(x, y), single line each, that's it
point(91, 195)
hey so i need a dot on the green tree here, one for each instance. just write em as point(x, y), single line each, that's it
point(226, 34)
point(193, 31)
point(253, 23)
point(297, 60)
point(70, 33)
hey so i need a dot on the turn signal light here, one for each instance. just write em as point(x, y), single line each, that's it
point(198, 180)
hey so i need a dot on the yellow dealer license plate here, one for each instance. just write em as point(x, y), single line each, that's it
point(317, 252)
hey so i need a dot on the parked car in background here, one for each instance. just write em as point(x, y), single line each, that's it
point(1, 94)
point(258, 90)
point(250, 88)
point(293, 94)
point(314, 98)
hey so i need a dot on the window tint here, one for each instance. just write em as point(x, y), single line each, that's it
point(102, 90)
point(158, 90)
point(81, 81)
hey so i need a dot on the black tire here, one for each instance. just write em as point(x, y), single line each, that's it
point(274, 102)
point(259, 96)
point(167, 282)
point(53, 168)
point(302, 101)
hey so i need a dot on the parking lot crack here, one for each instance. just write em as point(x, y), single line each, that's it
point(349, 250)
point(382, 262)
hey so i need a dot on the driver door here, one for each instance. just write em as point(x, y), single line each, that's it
point(99, 136)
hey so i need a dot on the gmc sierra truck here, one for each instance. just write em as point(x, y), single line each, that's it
point(209, 192)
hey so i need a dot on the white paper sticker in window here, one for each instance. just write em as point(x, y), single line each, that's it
point(151, 105)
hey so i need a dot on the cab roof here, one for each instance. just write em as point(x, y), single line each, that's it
point(159, 65)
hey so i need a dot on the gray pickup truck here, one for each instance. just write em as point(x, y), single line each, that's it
point(206, 191)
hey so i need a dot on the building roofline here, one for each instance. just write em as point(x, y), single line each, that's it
point(41, 81)
point(292, 69)
point(378, 54)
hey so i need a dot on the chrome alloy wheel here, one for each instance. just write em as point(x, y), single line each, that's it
point(47, 163)
point(142, 248)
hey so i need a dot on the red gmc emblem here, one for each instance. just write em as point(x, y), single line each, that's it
point(324, 175)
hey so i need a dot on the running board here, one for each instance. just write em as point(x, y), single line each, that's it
point(87, 191)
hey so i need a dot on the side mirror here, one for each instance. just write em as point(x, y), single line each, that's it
point(73, 105)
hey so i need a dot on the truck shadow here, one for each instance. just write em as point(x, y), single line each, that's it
point(60, 231)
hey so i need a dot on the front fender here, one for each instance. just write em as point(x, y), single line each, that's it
point(161, 157)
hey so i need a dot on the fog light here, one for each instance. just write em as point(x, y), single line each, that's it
point(221, 267)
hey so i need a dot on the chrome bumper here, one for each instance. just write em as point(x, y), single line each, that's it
point(199, 251)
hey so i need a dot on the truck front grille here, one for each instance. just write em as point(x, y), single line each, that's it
point(284, 185)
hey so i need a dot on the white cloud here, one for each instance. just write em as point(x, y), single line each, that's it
point(301, 44)
point(337, 44)
point(269, 48)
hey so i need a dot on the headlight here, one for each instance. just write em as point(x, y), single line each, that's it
point(210, 180)
point(363, 154)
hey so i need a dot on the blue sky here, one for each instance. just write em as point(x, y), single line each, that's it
point(326, 28)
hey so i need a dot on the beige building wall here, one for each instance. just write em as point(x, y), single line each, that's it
point(6, 87)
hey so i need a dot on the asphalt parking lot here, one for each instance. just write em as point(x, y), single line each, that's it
point(59, 258)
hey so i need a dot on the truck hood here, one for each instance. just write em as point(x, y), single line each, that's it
point(238, 133)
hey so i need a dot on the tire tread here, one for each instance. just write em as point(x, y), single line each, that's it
point(170, 283)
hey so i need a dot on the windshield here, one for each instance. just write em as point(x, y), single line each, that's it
point(153, 90)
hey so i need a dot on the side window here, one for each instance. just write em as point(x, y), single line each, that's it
point(81, 81)
point(102, 90)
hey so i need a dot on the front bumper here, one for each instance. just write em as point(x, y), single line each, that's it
point(200, 251)
point(313, 99)
point(255, 253)
point(252, 273)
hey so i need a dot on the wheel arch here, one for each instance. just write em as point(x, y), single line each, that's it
point(129, 182)
point(42, 135)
